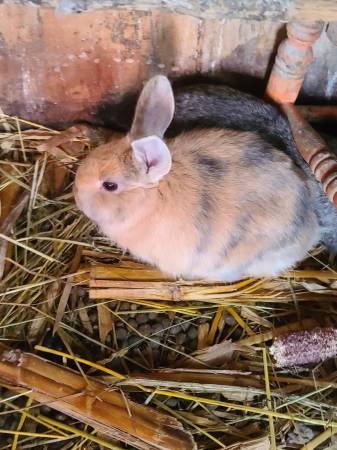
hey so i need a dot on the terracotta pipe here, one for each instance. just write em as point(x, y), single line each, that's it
point(315, 113)
point(314, 150)
point(293, 58)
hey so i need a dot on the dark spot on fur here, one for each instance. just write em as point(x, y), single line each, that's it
point(203, 219)
point(213, 168)
point(291, 231)
point(303, 206)
point(257, 154)
point(232, 242)
point(238, 236)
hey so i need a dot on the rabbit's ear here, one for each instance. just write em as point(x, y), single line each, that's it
point(154, 110)
point(153, 156)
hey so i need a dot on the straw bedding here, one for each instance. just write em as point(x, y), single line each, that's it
point(190, 360)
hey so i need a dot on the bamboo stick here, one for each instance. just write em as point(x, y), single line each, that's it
point(94, 403)
point(132, 281)
point(318, 440)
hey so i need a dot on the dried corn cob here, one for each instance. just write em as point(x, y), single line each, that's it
point(304, 347)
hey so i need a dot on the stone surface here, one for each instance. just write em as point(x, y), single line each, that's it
point(60, 68)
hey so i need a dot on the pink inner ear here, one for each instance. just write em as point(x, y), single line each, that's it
point(152, 163)
point(153, 153)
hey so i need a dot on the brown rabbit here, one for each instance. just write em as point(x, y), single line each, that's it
point(208, 203)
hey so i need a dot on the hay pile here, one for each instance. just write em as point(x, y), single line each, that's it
point(110, 324)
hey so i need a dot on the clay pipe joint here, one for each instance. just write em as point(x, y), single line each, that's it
point(314, 151)
point(293, 58)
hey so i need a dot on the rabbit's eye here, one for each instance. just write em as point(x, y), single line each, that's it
point(110, 186)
